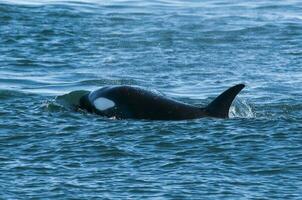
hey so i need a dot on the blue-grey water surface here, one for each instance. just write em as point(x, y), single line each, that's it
point(188, 50)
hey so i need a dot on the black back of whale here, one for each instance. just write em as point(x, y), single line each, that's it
point(137, 103)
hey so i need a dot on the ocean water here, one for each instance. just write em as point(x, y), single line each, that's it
point(188, 50)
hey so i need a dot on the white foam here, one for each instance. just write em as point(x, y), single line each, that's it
point(103, 103)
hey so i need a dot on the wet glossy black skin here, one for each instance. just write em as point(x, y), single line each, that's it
point(137, 103)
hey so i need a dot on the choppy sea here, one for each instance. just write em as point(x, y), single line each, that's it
point(188, 50)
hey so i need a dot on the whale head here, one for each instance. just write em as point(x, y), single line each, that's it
point(85, 103)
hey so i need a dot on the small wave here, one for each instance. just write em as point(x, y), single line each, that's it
point(70, 100)
point(7, 94)
point(100, 82)
point(52, 106)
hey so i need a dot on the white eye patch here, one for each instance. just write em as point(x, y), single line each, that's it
point(103, 103)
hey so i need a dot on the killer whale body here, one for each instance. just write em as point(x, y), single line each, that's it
point(128, 102)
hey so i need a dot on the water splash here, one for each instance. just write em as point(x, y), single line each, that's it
point(241, 109)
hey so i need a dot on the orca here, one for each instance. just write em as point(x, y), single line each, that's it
point(129, 102)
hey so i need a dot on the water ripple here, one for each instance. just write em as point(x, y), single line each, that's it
point(54, 50)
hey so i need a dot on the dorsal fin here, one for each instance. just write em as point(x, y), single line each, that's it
point(220, 106)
